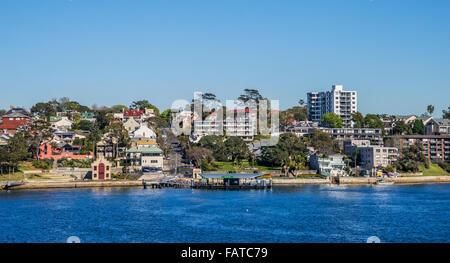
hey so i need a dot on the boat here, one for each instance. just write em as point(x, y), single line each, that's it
point(384, 183)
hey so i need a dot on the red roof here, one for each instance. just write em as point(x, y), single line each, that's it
point(132, 113)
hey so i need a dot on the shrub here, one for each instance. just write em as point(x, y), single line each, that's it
point(75, 163)
point(45, 164)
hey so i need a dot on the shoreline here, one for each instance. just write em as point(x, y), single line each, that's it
point(275, 182)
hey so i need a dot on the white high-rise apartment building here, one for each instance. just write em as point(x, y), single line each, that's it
point(338, 101)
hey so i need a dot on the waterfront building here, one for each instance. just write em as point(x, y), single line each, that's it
point(350, 146)
point(145, 159)
point(436, 147)
point(338, 101)
point(230, 180)
point(101, 169)
point(377, 156)
point(332, 165)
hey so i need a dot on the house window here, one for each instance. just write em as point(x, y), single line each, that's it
point(95, 168)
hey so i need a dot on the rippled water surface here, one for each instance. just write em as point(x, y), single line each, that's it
point(318, 213)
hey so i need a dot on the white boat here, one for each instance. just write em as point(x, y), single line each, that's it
point(384, 183)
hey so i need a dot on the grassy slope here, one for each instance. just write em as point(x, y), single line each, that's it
point(434, 170)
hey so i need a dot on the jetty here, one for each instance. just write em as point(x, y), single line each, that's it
point(218, 181)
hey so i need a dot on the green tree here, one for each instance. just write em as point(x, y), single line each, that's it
point(216, 144)
point(236, 149)
point(102, 119)
point(250, 94)
point(118, 108)
point(83, 125)
point(446, 114)
point(430, 109)
point(197, 155)
point(322, 142)
point(289, 153)
point(43, 109)
point(142, 105)
point(331, 120)
point(412, 158)
point(418, 127)
point(157, 122)
point(17, 150)
point(118, 134)
point(401, 127)
point(167, 115)
point(41, 132)
point(358, 119)
point(373, 121)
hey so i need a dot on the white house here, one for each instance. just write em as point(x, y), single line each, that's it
point(144, 132)
point(62, 125)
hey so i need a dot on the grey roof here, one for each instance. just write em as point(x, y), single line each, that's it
point(145, 149)
point(15, 115)
point(442, 122)
point(230, 175)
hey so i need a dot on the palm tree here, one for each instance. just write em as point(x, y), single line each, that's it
point(430, 109)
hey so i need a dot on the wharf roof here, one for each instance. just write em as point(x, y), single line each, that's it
point(230, 175)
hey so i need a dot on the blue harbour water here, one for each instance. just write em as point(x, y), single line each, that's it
point(316, 213)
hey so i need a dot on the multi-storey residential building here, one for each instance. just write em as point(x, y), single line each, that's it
point(210, 126)
point(241, 123)
point(377, 156)
point(145, 159)
point(350, 146)
point(332, 165)
point(338, 101)
point(342, 134)
point(436, 147)
point(437, 127)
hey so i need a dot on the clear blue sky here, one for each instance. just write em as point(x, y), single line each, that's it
point(395, 53)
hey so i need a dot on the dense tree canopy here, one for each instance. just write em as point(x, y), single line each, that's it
point(331, 120)
point(401, 127)
point(418, 127)
point(446, 114)
point(142, 105)
point(322, 142)
point(412, 158)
